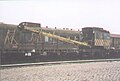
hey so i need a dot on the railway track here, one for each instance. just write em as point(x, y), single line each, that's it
point(57, 62)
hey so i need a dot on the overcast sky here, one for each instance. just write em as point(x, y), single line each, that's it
point(63, 13)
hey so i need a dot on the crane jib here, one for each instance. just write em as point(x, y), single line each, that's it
point(57, 37)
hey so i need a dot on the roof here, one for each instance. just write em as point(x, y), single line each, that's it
point(115, 35)
point(7, 26)
point(96, 28)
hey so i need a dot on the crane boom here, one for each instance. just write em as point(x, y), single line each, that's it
point(56, 37)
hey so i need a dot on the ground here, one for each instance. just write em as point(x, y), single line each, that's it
point(94, 71)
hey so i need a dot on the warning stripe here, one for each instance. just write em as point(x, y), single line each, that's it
point(101, 42)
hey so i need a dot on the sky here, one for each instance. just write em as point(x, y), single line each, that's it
point(73, 14)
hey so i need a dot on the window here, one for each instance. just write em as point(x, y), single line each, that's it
point(46, 39)
point(106, 36)
point(97, 35)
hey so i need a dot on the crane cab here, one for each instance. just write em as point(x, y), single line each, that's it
point(29, 24)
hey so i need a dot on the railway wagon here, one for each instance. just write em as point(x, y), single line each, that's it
point(115, 45)
point(7, 41)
